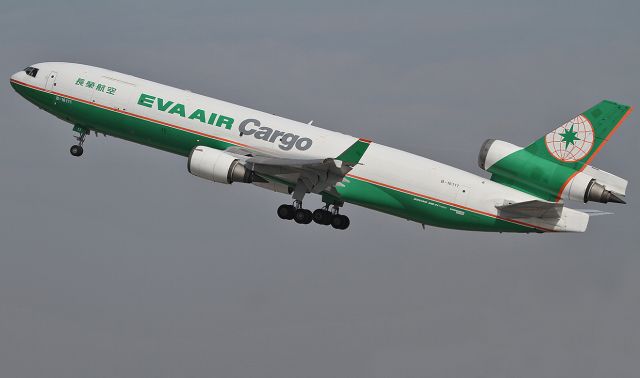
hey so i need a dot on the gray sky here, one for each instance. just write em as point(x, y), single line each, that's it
point(121, 264)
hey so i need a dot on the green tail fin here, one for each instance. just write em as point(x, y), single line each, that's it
point(579, 140)
point(353, 154)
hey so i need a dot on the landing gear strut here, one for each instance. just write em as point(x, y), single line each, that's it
point(77, 150)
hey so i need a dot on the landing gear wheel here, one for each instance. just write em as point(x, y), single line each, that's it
point(322, 216)
point(76, 150)
point(286, 212)
point(340, 222)
point(303, 216)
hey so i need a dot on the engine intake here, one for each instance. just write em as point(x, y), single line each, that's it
point(493, 150)
point(217, 166)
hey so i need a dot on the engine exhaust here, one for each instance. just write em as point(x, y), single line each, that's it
point(597, 193)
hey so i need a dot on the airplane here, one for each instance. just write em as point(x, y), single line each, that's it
point(227, 143)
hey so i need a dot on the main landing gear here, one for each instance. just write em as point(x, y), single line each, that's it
point(77, 150)
point(322, 216)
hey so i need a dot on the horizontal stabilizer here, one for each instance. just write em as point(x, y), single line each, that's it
point(532, 209)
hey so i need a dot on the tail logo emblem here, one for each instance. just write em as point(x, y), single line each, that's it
point(571, 141)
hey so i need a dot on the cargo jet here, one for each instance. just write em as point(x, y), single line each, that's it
point(226, 143)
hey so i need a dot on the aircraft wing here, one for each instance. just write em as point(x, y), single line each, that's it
point(315, 175)
point(532, 209)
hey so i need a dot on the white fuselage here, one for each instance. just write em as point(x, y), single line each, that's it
point(384, 165)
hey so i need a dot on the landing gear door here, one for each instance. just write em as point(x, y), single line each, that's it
point(51, 80)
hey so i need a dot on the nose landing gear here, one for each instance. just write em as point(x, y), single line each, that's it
point(77, 150)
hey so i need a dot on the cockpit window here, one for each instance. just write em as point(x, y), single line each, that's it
point(31, 71)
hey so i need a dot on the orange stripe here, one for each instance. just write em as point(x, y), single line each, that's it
point(232, 142)
point(604, 141)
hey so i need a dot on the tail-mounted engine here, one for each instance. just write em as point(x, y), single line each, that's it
point(528, 171)
point(217, 166)
point(595, 185)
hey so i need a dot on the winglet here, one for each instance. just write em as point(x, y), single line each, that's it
point(353, 154)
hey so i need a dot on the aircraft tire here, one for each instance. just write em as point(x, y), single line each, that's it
point(286, 212)
point(76, 150)
point(303, 216)
point(322, 216)
point(340, 222)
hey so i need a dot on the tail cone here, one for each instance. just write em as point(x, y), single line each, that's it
point(616, 199)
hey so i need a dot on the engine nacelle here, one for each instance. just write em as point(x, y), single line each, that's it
point(217, 166)
point(493, 150)
point(584, 187)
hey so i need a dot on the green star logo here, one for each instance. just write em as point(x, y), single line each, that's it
point(569, 137)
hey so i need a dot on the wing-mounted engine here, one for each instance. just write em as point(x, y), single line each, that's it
point(525, 170)
point(217, 166)
point(280, 174)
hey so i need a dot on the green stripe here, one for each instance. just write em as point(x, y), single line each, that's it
point(421, 209)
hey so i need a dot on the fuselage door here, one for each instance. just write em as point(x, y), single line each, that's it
point(51, 80)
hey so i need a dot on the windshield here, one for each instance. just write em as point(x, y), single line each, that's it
point(31, 71)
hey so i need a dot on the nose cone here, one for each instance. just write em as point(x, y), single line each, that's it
point(15, 77)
